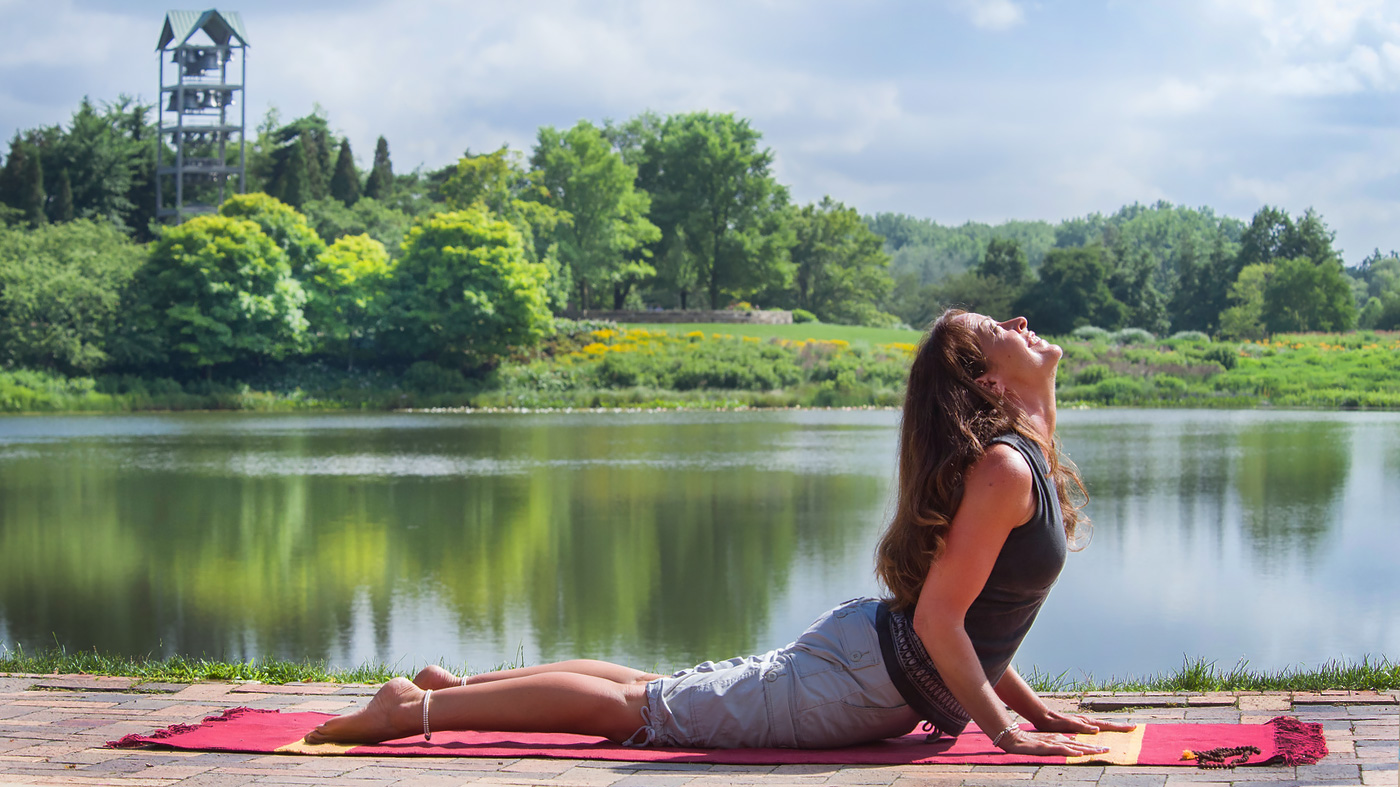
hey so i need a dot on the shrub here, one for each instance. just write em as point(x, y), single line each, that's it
point(466, 294)
point(1094, 373)
point(216, 290)
point(1227, 355)
point(1090, 333)
point(60, 293)
point(1119, 390)
point(1190, 337)
point(1169, 386)
point(427, 377)
point(802, 315)
point(1133, 336)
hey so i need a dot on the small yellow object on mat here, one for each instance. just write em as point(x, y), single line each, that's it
point(1123, 747)
point(300, 746)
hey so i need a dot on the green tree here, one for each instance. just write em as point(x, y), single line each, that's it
point(345, 183)
point(466, 293)
point(350, 294)
point(105, 153)
point(1006, 261)
point(678, 270)
point(32, 199)
point(604, 241)
point(60, 293)
point(1303, 295)
point(293, 161)
point(62, 208)
point(216, 290)
point(1073, 291)
point(380, 183)
point(707, 175)
point(498, 183)
point(292, 184)
point(842, 271)
point(969, 290)
point(287, 228)
point(1244, 319)
point(333, 221)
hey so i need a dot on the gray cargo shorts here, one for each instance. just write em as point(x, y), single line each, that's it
point(828, 689)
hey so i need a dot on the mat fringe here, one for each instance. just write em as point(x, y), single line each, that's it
point(135, 741)
point(1297, 742)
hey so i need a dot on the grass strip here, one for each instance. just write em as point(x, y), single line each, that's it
point(1201, 675)
point(1195, 675)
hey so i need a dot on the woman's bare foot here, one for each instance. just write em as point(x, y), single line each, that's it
point(396, 711)
point(435, 677)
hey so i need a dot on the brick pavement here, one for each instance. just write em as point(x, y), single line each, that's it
point(52, 729)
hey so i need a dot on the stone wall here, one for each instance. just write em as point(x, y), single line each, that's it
point(686, 315)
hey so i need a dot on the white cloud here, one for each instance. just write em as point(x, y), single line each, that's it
point(1173, 97)
point(991, 14)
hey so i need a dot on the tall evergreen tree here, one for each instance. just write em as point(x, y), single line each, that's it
point(12, 174)
point(62, 208)
point(380, 184)
point(316, 147)
point(293, 183)
point(32, 199)
point(345, 184)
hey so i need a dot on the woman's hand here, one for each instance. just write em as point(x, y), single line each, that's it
point(1053, 721)
point(1046, 744)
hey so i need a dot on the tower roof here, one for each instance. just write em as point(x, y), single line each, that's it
point(221, 26)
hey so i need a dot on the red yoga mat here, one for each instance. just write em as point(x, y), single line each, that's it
point(1283, 740)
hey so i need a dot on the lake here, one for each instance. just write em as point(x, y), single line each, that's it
point(660, 540)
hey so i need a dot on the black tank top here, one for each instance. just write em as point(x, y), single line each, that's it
point(1027, 566)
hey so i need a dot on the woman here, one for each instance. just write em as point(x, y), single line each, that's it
point(978, 537)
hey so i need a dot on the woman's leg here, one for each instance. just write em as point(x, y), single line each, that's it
point(545, 701)
point(435, 677)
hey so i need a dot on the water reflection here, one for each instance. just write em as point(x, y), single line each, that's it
point(660, 540)
point(1290, 479)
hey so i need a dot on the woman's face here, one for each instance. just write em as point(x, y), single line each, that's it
point(1015, 355)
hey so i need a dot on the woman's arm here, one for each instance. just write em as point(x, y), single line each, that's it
point(1021, 698)
point(997, 497)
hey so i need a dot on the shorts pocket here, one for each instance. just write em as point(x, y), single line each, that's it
point(860, 644)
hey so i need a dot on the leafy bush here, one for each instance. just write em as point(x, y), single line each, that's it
point(1192, 337)
point(429, 378)
point(1168, 386)
point(216, 290)
point(1227, 355)
point(466, 294)
point(802, 315)
point(60, 293)
point(1090, 333)
point(1092, 374)
point(1133, 336)
point(1119, 390)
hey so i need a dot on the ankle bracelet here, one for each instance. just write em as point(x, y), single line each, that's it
point(427, 733)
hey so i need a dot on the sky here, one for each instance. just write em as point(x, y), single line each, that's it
point(952, 110)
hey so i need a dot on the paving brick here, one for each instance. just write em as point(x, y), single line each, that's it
point(1114, 779)
point(1265, 702)
point(1212, 700)
point(286, 688)
point(84, 683)
point(1126, 701)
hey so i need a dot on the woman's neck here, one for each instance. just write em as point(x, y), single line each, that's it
point(1038, 409)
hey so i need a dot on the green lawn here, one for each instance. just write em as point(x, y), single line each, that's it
point(857, 335)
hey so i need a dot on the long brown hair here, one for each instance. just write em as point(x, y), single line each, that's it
point(949, 419)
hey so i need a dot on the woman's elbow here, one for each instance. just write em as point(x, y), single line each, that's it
point(936, 626)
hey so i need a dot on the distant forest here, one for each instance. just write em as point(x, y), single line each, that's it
point(677, 211)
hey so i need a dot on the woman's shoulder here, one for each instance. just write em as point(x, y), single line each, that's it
point(1002, 468)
